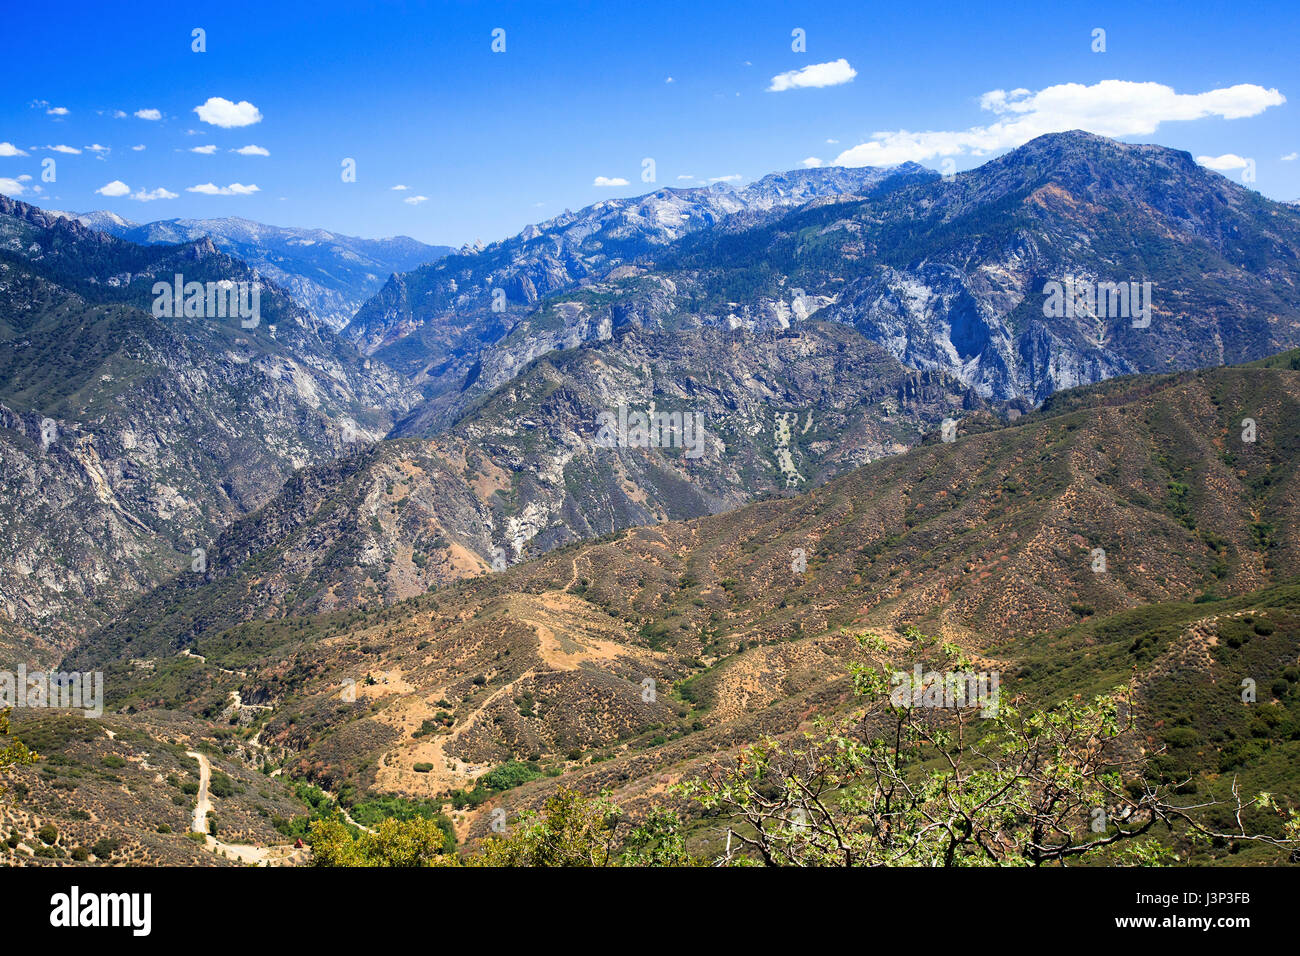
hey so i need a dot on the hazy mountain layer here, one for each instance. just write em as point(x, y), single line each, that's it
point(330, 275)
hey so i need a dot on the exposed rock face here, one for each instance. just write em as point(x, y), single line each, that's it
point(128, 440)
point(963, 270)
point(952, 275)
point(526, 471)
point(449, 306)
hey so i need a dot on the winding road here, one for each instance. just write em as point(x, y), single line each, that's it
point(244, 852)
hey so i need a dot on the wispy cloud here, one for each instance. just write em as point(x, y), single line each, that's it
point(251, 150)
point(70, 150)
point(415, 200)
point(1112, 108)
point(1289, 157)
point(149, 196)
point(203, 150)
point(149, 114)
point(211, 189)
point(219, 111)
point(399, 187)
point(834, 73)
point(607, 181)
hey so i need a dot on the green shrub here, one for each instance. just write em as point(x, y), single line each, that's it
point(220, 785)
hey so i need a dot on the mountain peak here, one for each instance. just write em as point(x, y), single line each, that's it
point(102, 218)
point(1077, 146)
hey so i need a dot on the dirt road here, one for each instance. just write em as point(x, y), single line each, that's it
point(244, 852)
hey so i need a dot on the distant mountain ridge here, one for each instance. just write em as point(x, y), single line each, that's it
point(452, 307)
point(331, 275)
point(946, 273)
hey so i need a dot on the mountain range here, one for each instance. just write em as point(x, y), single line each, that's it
point(160, 430)
point(398, 532)
point(813, 322)
point(330, 275)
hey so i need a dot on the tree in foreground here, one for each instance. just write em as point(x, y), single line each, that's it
point(989, 783)
point(573, 830)
point(14, 753)
point(418, 841)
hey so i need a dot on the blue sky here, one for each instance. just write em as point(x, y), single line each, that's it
point(487, 142)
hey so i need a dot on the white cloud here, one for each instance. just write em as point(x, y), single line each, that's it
point(70, 150)
point(149, 114)
point(24, 178)
point(733, 178)
point(219, 111)
point(816, 75)
point(9, 149)
point(415, 200)
point(251, 150)
point(669, 80)
point(812, 162)
point(832, 142)
point(138, 148)
point(1111, 108)
point(96, 148)
point(115, 188)
point(1290, 156)
point(159, 193)
point(10, 187)
point(119, 114)
point(399, 187)
point(57, 111)
point(204, 150)
point(606, 181)
point(1223, 163)
point(685, 176)
point(211, 189)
